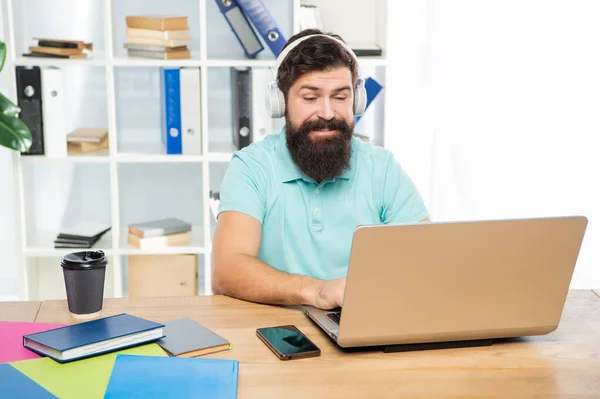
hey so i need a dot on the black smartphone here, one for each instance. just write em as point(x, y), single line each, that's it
point(287, 342)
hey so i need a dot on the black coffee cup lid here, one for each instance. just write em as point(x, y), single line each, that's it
point(84, 260)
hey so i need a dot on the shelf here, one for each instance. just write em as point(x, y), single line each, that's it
point(240, 63)
point(196, 245)
point(151, 152)
point(95, 59)
point(135, 180)
point(123, 60)
point(158, 158)
point(90, 157)
point(42, 244)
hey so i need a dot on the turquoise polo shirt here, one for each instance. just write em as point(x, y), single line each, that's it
point(307, 228)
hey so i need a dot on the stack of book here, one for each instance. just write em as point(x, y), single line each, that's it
point(84, 235)
point(159, 233)
point(87, 140)
point(59, 48)
point(158, 36)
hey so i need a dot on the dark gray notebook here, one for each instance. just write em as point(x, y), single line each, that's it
point(186, 338)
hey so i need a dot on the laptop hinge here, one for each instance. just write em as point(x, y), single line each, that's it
point(437, 345)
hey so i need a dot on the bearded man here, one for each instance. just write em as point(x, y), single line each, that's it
point(289, 204)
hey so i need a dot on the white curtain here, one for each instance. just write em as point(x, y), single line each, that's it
point(497, 110)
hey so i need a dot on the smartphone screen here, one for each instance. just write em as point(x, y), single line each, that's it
point(288, 341)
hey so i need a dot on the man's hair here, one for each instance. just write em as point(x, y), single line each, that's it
point(315, 54)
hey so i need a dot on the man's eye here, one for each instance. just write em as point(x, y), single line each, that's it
point(341, 98)
point(309, 98)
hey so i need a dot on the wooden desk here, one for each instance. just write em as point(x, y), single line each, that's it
point(19, 311)
point(564, 364)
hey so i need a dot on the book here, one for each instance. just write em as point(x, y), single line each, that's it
point(147, 47)
point(55, 50)
point(88, 134)
point(157, 22)
point(93, 337)
point(169, 240)
point(11, 339)
point(158, 34)
point(365, 49)
point(87, 140)
point(44, 55)
point(186, 338)
point(160, 42)
point(172, 377)
point(85, 378)
point(161, 55)
point(64, 43)
point(84, 230)
point(159, 227)
point(14, 384)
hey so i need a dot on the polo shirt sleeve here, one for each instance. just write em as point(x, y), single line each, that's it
point(243, 187)
point(402, 202)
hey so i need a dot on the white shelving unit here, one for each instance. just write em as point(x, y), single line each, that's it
point(134, 180)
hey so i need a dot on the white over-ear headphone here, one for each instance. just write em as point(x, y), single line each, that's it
point(275, 100)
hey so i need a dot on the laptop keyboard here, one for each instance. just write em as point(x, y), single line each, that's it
point(335, 317)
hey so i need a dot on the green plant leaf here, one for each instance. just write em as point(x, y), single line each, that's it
point(7, 107)
point(2, 54)
point(14, 133)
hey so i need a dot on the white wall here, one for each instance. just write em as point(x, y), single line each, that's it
point(497, 110)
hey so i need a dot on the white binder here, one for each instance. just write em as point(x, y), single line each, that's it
point(191, 128)
point(54, 112)
point(262, 123)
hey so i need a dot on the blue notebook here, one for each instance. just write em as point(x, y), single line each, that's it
point(14, 384)
point(93, 337)
point(172, 377)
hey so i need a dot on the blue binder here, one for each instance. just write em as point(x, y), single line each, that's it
point(240, 27)
point(170, 110)
point(172, 377)
point(264, 23)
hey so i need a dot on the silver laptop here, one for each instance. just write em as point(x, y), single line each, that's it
point(455, 281)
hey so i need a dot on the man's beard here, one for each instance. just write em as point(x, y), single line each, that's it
point(320, 157)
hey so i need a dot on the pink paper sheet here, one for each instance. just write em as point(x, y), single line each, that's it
point(11, 339)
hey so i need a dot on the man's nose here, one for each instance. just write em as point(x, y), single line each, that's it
point(326, 110)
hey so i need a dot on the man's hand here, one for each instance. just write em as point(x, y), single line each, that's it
point(330, 294)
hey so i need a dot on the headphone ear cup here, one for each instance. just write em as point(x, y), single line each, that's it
point(360, 98)
point(275, 101)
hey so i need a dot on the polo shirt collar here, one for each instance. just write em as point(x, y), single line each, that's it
point(289, 170)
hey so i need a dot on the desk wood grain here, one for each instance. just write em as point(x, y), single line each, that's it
point(19, 311)
point(563, 364)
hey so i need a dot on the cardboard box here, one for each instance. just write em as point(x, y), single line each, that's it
point(162, 275)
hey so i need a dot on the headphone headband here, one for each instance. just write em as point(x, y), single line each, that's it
point(294, 44)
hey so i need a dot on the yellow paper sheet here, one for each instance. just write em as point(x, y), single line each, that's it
point(86, 378)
